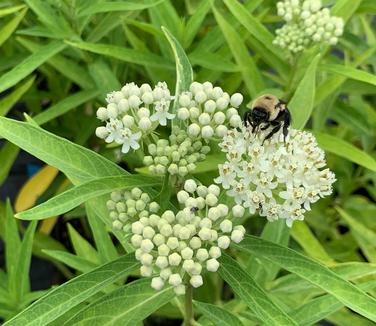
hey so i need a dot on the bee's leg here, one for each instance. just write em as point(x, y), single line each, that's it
point(247, 119)
point(273, 131)
point(286, 124)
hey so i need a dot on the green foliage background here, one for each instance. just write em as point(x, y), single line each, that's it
point(60, 58)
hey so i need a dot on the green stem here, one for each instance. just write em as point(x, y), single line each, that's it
point(188, 306)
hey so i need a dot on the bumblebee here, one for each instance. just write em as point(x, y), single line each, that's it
point(268, 111)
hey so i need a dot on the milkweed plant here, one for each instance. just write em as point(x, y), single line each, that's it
point(190, 205)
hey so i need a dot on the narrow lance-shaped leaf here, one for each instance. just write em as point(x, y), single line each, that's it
point(12, 248)
point(28, 65)
point(303, 235)
point(11, 26)
point(263, 270)
point(350, 72)
point(78, 263)
point(125, 54)
point(81, 246)
point(67, 67)
point(8, 101)
point(251, 74)
point(254, 27)
point(252, 294)
point(102, 7)
point(65, 105)
point(314, 272)
point(128, 305)
point(77, 195)
point(61, 299)
point(195, 22)
point(78, 163)
point(22, 281)
point(8, 154)
point(184, 72)
point(346, 150)
point(301, 104)
point(319, 308)
point(218, 315)
point(10, 10)
point(106, 249)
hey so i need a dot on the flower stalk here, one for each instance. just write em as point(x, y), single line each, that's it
point(188, 306)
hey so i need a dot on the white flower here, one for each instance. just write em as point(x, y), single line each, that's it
point(129, 140)
point(114, 128)
point(226, 175)
point(126, 121)
point(161, 113)
point(278, 179)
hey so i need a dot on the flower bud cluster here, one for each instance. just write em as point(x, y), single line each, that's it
point(134, 112)
point(208, 111)
point(176, 248)
point(276, 178)
point(306, 22)
point(176, 155)
point(126, 207)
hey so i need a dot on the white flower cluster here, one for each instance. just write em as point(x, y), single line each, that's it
point(278, 179)
point(307, 22)
point(209, 111)
point(176, 248)
point(134, 112)
point(126, 207)
point(178, 155)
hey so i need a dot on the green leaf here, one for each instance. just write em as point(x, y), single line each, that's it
point(319, 308)
point(104, 77)
point(78, 163)
point(78, 263)
point(254, 27)
point(213, 61)
point(61, 299)
point(263, 270)
point(345, 8)
point(251, 293)
point(350, 72)
point(29, 64)
point(51, 17)
point(302, 102)
point(346, 150)
point(124, 54)
point(8, 154)
point(67, 67)
point(103, 242)
point(251, 75)
point(364, 235)
point(314, 272)
point(218, 315)
point(77, 195)
point(292, 283)
point(184, 72)
point(12, 248)
point(10, 10)
point(194, 23)
point(65, 105)
point(22, 282)
point(306, 239)
point(82, 247)
point(11, 26)
point(127, 5)
point(127, 305)
point(8, 101)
